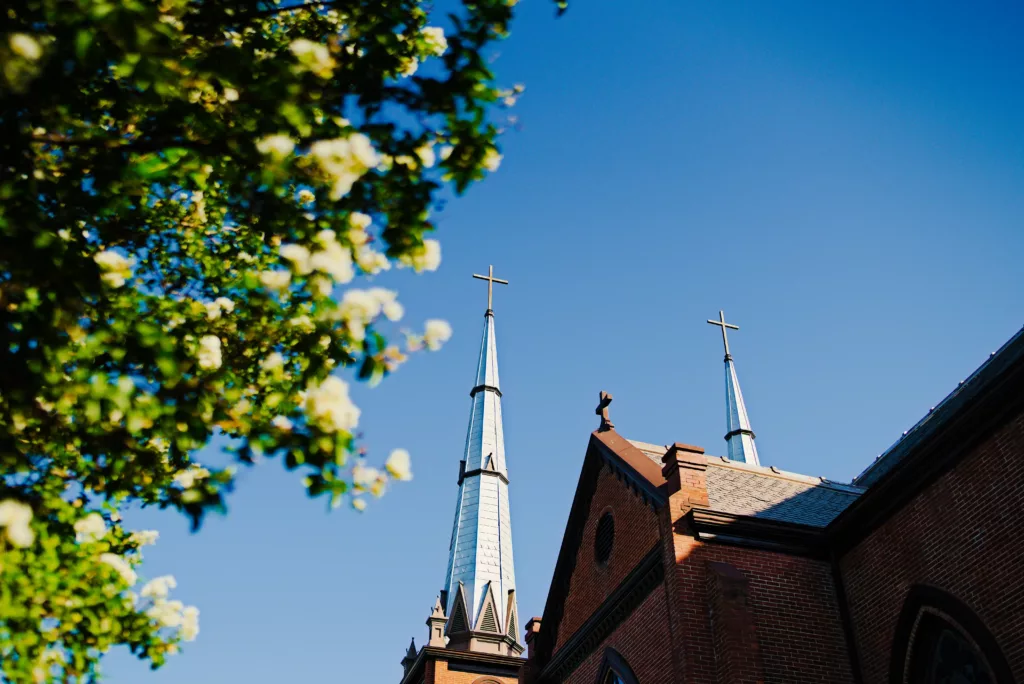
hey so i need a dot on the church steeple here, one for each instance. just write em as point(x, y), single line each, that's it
point(479, 592)
point(739, 437)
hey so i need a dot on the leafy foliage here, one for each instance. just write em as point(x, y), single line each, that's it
point(186, 188)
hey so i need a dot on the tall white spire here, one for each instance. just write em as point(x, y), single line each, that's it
point(480, 582)
point(739, 437)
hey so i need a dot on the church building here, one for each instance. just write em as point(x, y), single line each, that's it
point(680, 566)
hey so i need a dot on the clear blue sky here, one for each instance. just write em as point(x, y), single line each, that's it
point(844, 179)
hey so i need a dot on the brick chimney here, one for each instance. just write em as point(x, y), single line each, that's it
point(685, 470)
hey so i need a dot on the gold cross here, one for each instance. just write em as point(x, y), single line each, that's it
point(490, 284)
point(725, 339)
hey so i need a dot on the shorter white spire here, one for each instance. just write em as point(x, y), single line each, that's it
point(739, 437)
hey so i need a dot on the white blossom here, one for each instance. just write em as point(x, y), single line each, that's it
point(209, 354)
point(314, 57)
point(15, 518)
point(188, 477)
point(389, 305)
point(344, 161)
point(90, 528)
point(407, 66)
point(273, 361)
point(364, 476)
point(329, 407)
point(306, 196)
point(218, 306)
point(275, 280)
point(332, 258)
point(230, 94)
point(492, 159)
point(399, 465)
point(303, 323)
point(189, 623)
point(166, 613)
point(360, 307)
point(372, 261)
point(360, 220)
point(426, 154)
point(359, 504)
point(158, 587)
point(445, 151)
point(427, 257)
point(25, 46)
point(121, 566)
point(277, 146)
point(115, 267)
point(144, 537)
point(437, 333)
point(434, 38)
point(282, 423)
point(298, 256)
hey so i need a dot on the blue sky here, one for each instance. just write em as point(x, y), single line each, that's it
point(844, 179)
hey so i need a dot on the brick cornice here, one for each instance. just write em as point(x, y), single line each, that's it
point(630, 593)
point(761, 533)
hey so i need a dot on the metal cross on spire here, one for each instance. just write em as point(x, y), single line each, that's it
point(490, 285)
point(725, 338)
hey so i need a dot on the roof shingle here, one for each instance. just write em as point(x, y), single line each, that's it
point(759, 492)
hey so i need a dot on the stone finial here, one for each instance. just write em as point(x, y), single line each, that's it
point(604, 400)
point(435, 625)
point(410, 656)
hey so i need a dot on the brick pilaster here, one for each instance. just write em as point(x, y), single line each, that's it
point(737, 650)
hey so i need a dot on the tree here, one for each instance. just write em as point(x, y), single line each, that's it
point(188, 189)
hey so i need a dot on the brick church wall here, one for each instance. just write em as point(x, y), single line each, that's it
point(642, 640)
point(962, 535)
point(636, 533)
point(792, 606)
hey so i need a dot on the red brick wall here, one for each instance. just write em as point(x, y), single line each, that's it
point(962, 535)
point(792, 599)
point(636, 533)
point(642, 640)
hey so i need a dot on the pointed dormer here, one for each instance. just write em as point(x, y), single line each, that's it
point(739, 437)
point(480, 580)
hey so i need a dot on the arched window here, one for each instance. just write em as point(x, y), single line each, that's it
point(615, 669)
point(939, 640)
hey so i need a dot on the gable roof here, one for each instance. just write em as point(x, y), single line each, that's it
point(769, 493)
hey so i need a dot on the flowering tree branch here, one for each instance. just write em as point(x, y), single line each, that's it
point(193, 195)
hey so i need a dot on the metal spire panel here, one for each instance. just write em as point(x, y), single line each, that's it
point(740, 437)
point(480, 552)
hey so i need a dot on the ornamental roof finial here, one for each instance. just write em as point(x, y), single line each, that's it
point(604, 401)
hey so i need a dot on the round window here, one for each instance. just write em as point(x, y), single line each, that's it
point(604, 538)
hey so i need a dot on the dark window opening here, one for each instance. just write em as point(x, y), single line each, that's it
point(604, 538)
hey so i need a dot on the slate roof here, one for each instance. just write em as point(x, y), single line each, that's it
point(759, 492)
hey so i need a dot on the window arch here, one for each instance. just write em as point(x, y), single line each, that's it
point(615, 670)
point(940, 640)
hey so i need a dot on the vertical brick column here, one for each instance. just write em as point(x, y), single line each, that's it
point(685, 472)
point(737, 650)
